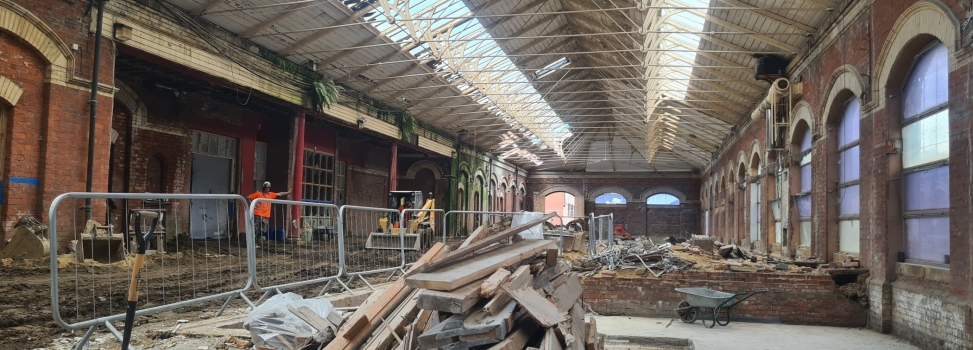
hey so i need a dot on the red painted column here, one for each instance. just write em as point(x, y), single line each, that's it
point(298, 165)
point(394, 168)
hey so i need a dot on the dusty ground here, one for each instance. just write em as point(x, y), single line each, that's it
point(90, 288)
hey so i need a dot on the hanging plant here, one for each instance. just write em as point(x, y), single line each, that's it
point(406, 125)
point(324, 93)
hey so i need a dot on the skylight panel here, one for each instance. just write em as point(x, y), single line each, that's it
point(551, 68)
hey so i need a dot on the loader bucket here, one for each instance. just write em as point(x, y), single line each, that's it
point(379, 240)
point(98, 244)
point(29, 242)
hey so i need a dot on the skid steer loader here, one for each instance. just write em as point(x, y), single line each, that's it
point(418, 232)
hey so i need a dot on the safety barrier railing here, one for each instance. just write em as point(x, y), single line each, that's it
point(297, 245)
point(421, 229)
point(200, 254)
point(600, 232)
point(372, 242)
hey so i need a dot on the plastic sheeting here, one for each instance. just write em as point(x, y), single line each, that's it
point(272, 318)
point(536, 232)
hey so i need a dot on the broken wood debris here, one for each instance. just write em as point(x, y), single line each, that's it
point(481, 296)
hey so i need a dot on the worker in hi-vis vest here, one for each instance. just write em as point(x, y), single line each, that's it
point(261, 213)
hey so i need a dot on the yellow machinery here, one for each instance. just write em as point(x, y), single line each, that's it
point(418, 235)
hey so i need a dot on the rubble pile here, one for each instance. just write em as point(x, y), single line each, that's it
point(640, 253)
point(498, 291)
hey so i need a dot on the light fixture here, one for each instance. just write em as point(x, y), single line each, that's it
point(361, 123)
point(122, 32)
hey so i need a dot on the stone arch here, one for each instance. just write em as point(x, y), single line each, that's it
point(755, 158)
point(922, 18)
point(608, 189)
point(662, 189)
point(801, 112)
point(127, 97)
point(845, 78)
point(25, 25)
point(9, 92)
point(424, 164)
point(578, 197)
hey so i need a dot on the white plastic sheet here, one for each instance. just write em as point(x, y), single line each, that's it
point(272, 318)
point(536, 232)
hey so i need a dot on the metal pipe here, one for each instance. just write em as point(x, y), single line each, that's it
point(93, 105)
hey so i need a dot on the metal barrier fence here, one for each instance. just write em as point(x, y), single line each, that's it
point(297, 244)
point(200, 254)
point(600, 232)
point(372, 242)
point(421, 229)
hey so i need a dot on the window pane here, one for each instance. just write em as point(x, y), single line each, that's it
point(848, 162)
point(806, 233)
point(848, 199)
point(804, 206)
point(927, 238)
point(928, 189)
point(754, 212)
point(927, 86)
point(806, 140)
point(848, 128)
point(926, 140)
point(848, 236)
point(662, 199)
point(610, 198)
point(806, 178)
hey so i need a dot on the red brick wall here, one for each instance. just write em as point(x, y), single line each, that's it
point(791, 299)
point(368, 169)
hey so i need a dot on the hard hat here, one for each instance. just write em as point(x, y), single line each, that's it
point(266, 184)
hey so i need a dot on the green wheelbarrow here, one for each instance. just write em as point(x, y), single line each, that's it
point(698, 299)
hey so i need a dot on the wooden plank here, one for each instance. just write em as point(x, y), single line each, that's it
point(580, 241)
point(312, 319)
point(477, 235)
point(471, 249)
point(482, 322)
point(567, 293)
point(490, 286)
point(541, 309)
point(394, 324)
point(550, 341)
point(452, 277)
point(457, 301)
point(525, 328)
point(577, 326)
point(430, 339)
point(362, 322)
point(519, 279)
point(591, 340)
point(552, 257)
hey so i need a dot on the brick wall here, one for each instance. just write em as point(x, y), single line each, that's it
point(368, 171)
point(920, 313)
point(791, 299)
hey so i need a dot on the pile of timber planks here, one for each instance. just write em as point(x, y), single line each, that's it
point(494, 292)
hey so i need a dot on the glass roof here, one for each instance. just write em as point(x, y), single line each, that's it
point(446, 32)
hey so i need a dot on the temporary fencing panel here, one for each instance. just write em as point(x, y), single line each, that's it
point(372, 242)
point(421, 229)
point(91, 290)
point(297, 245)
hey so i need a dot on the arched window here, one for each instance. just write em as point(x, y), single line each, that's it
point(662, 199)
point(925, 157)
point(610, 198)
point(848, 175)
point(803, 196)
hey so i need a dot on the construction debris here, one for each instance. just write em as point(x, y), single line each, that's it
point(497, 292)
point(289, 322)
point(639, 253)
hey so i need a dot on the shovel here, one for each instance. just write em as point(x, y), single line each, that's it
point(137, 269)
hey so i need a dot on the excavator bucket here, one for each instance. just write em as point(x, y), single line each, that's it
point(100, 244)
point(29, 241)
point(382, 240)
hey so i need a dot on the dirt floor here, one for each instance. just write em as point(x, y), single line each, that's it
point(91, 289)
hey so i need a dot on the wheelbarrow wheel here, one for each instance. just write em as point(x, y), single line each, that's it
point(687, 313)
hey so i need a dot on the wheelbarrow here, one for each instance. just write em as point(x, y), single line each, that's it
point(698, 299)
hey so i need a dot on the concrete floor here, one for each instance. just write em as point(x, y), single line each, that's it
point(752, 336)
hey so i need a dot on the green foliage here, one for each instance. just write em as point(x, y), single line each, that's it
point(406, 125)
point(324, 93)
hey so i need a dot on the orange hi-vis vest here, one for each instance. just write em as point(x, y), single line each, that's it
point(263, 208)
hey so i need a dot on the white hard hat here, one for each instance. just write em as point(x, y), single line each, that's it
point(266, 184)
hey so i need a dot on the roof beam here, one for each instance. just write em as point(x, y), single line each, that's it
point(759, 37)
point(273, 20)
point(204, 7)
point(790, 23)
point(354, 16)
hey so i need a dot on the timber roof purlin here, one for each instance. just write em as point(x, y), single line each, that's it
point(596, 85)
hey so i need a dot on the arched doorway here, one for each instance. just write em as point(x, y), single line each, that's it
point(561, 203)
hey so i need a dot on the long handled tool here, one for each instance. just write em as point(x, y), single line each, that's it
point(133, 288)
